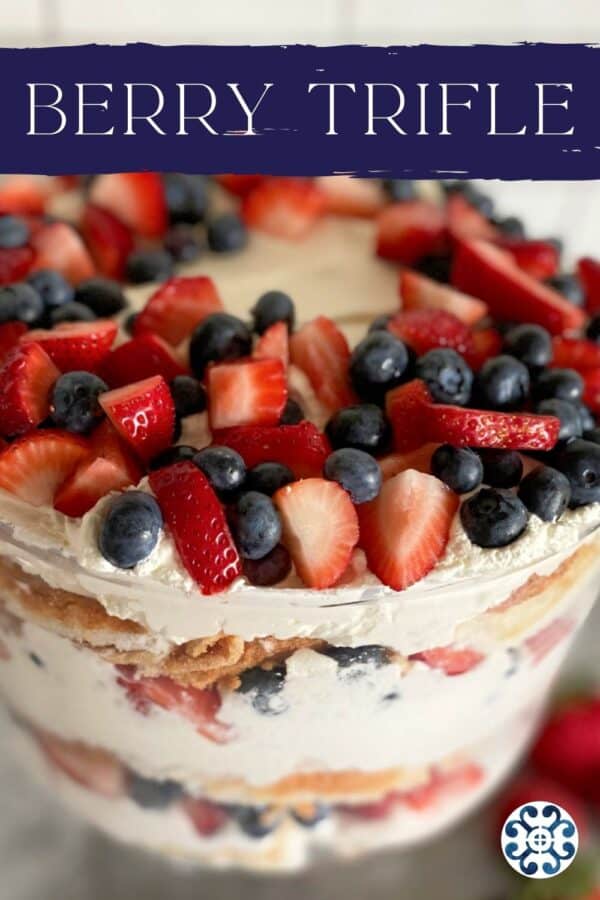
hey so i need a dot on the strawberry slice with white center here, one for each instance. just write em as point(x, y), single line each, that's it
point(36, 465)
point(10, 333)
point(198, 525)
point(141, 357)
point(136, 198)
point(410, 230)
point(451, 660)
point(143, 414)
point(487, 272)
point(588, 270)
point(274, 344)
point(465, 222)
point(75, 346)
point(206, 817)
point(284, 207)
point(92, 768)
point(404, 531)
point(540, 259)
point(26, 380)
point(419, 459)
point(406, 407)
point(485, 343)
point(248, 392)
point(302, 447)
point(24, 195)
point(427, 329)
point(320, 529)
point(177, 307)
point(575, 353)
point(347, 196)
point(320, 349)
point(58, 246)
point(483, 428)
point(419, 292)
point(15, 263)
point(109, 241)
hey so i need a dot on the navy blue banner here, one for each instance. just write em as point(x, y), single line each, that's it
point(521, 111)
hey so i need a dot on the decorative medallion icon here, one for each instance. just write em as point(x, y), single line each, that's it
point(539, 840)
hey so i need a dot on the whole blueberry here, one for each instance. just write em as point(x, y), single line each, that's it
point(263, 687)
point(567, 413)
point(493, 518)
point(186, 197)
point(148, 793)
point(447, 376)
point(569, 285)
point(130, 530)
point(436, 266)
point(356, 471)
point(593, 435)
point(510, 226)
point(546, 493)
point(256, 525)
point(71, 312)
point(503, 383)
point(226, 234)
point(14, 232)
point(268, 477)
point(378, 363)
point(183, 244)
point(292, 413)
point(272, 307)
point(144, 266)
point(364, 655)
point(565, 384)
point(20, 301)
point(458, 467)
point(8, 305)
point(256, 821)
point(380, 323)
point(501, 468)
point(188, 396)
point(399, 189)
point(270, 570)
point(75, 401)
point(218, 338)
point(170, 456)
point(103, 296)
point(531, 344)
point(588, 422)
point(224, 468)
point(579, 460)
point(53, 287)
point(363, 427)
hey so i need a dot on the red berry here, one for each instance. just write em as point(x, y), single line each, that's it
point(302, 447)
point(588, 270)
point(109, 241)
point(206, 817)
point(529, 788)
point(284, 207)
point(465, 222)
point(485, 344)
point(419, 292)
point(591, 391)
point(15, 263)
point(177, 307)
point(451, 660)
point(320, 349)
point(273, 344)
point(58, 246)
point(10, 333)
point(540, 259)
point(23, 195)
point(419, 459)
point(36, 465)
point(410, 230)
point(136, 198)
point(143, 414)
point(240, 185)
point(482, 428)
point(75, 346)
point(26, 380)
point(246, 392)
point(426, 329)
point(142, 357)
point(406, 407)
point(575, 353)
point(347, 196)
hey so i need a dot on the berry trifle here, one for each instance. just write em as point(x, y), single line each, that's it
point(293, 542)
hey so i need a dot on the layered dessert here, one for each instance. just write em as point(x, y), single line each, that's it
point(293, 543)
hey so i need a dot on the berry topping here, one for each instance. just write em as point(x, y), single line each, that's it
point(102, 295)
point(263, 686)
point(579, 460)
point(141, 357)
point(240, 185)
point(10, 333)
point(206, 817)
point(71, 312)
point(574, 353)
point(249, 392)
point(426, 329)
point(406, 407)
point(363, 427)
point(378, 364)
point(447, 376)
point(272, 307)
point(400, 189)
point(564, 384)
point(75, 346)
point(22, 302)
point(197, 522)
point(356, 471)
point(268, 477)
point(177, 307)
point(36, 465)
point(186, 197)
point(224, 468)
point(270, 570)
point(75, 401)
point(419, 292)
point(348, 196)
point(546, 493)
point(130, 529)
point(320, 529)
point(52, 287)
point(503, 383)
point(292, 413)
point(256, 526)
point(531, 344)
point(188, 396)
point(405, 530)
point(459, 468)
point(137, 199)
point(365, 655)
point(284, 207)
point(148, 793)
point(144, 266)
point(58, 246)
point(15, 264)
point(143, 414)
point(501, 468)
point(410, 230)
point(493, 518)
point(182, 243)
point(109, 241)
point(302, 447)
point(568, 415)
point(320, 349)
point(219, 338)
point(226, 234)
point(484, 344)
point(26, 379)
point(466, 221)
point(479, 428)
point(451, 660)
point(23, 195)
point(540, 259)
point(274, 344)
point(589, 274)
point(569, 285)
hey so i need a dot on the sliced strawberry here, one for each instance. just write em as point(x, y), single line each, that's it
point(575, 353)
point(206, 817)
point(451, 660)
point(177, 306)
point(143, 414)
point(485, 343)
point(376, 810)
point(26, 380)
point(246, 392)
point(568, 748)
point(320, 349)
point(302, 447)
point(407, 407)
point(419, 459)
point(284, 207)
point(23, 195)
point(426, 329)
point(320, 529)
point(10, 332)
point(141, 357)
point(136, 198)
point(74, 346)
point(347, 196)
point(410, 230)
point(92, 768)
point(482, 428)
point(544, 641)
point(465, 222)
point(197, 522)
point(273, 344)
point(419, 292)
point(591, 391)
point(109, 241)
point(36, 465)
point(540, 259)
point(58, 246)
point(588, 270)
point(240, 185)
point(404, 531)
point(487, 272)
point(442, 784)
point(15, 263)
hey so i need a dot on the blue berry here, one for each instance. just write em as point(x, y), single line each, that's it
point(501, 468)
point(579, 460)
point(592, 332)
point(365, 655)
point(130, 530)
point(493, 518)
point(102, 295)
point(71, 312)
point(263, 686)
point(148, 793)
point(268, 477)
point(569, 285)
point(567, 413)
point(356, 471)
point(53, 287)
point(565, 384)
point(546, 493)
point(503, 383)
point(272, 307)
point(224, 468)
point(458, 467)
point(181, 242)
point(14, 232)
point(219, 337)
point(311, 814)
point(226, 234)
point(531, 344)
point(270, 570)
point(363, 427)
point(510, 226)
point(292, 413)
point(256, 525)
point(447, 376)
point(144, 266)
point(75, 401)
point(20, 301)
point(378, 364)
point(588, 423)
point(172, 455)
point(380, 323)
point(400, 189)
point(188, 396)
point(256, 821)
point(593, 435)
point(186, 197)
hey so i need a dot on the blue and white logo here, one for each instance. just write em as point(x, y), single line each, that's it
point(540, 840)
